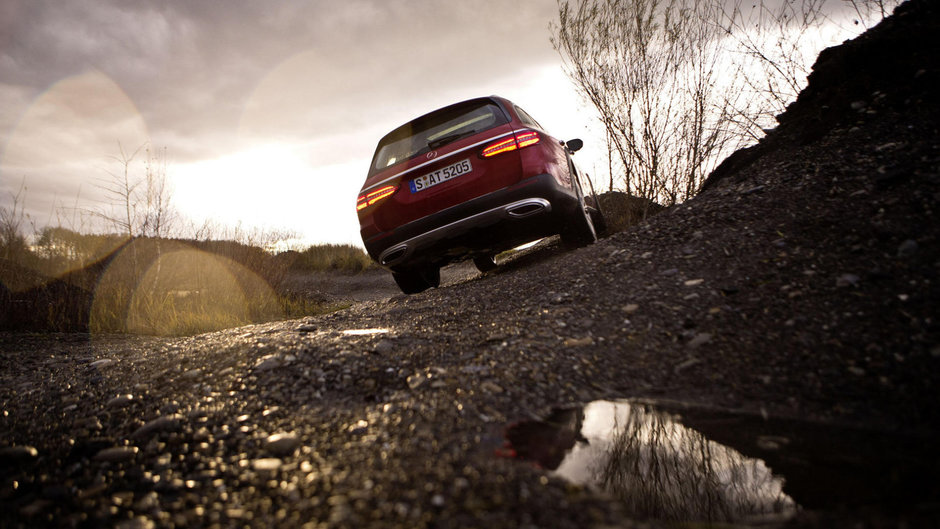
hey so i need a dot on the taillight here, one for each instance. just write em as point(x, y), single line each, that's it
point(527, 138)
point(499, 147)
point(520, 140)
point(371, 198)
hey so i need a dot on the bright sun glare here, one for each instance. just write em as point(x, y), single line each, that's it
point(272, 186)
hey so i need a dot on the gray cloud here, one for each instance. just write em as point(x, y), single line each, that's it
point(204, 78)
point(194, 66)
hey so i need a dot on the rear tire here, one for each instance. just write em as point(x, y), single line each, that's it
point(600, 223)
point(484, 263)
point(418, 280)
point(579, 229)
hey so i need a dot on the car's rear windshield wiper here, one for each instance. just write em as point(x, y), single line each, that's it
point(439, 142)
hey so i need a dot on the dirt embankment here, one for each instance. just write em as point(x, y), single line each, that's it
point(802, 283)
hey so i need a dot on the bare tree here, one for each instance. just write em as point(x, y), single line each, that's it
point(138, 205)
point(158, 216)
point(775, 43)
point(653, 71)
point(679, 84)
point(869, 12)
point(121, 192)
point(12, 242)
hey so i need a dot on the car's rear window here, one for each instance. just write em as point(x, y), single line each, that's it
point(435, 130)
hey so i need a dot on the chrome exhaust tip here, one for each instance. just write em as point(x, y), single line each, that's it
point(393, 254)
point(527, 208)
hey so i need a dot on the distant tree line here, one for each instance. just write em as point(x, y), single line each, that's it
point(142, 271)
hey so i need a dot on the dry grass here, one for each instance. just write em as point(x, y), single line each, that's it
point(103, 284)
point(622, 210)
point(331, 258)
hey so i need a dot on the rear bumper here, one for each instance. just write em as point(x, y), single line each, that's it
point(531, 209)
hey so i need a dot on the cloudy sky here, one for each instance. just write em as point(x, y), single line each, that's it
point(268, 112)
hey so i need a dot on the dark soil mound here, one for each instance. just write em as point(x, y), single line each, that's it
point(890, 70)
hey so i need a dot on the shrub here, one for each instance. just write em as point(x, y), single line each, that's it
point(622, 210)
point(331, 258)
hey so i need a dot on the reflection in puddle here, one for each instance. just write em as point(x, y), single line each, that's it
point(657, 467)
point(721, 466)
point(364, 332)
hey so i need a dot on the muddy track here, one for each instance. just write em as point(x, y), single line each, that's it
point(802, 285)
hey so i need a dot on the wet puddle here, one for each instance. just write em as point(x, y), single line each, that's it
point(681, 464)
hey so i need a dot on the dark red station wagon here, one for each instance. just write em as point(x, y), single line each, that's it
point(468, 181)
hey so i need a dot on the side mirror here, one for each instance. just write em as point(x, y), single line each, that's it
point(574, 145)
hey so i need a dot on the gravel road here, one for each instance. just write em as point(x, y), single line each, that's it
point(801, 285)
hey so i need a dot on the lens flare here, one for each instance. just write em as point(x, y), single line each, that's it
point(170, 288)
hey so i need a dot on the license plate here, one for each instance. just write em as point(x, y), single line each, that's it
point(441, 175)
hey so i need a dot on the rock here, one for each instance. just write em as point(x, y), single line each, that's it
point(846, 280)
point(576, 342)
point(116, 454)
point(857, 371)
point(631, 308)
point(384, 346)
point(148, 502)
point(417, 380)
point(682, 366)
point(90, 423)
point(32, 509)
point(140, 522)
point(120, 401)
point(558, 299)
point(360, 427)
point(266, 464)
point(340, 511)
point(101, 363)
point(267, 363)
point(282, 444)
point(496, 337)
point(772, 442)
point(475, 370)
point(161, 424)
point(490, 387)
point(699, 340)
point(908, 248)
point(18, 453)
point(694, 282)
